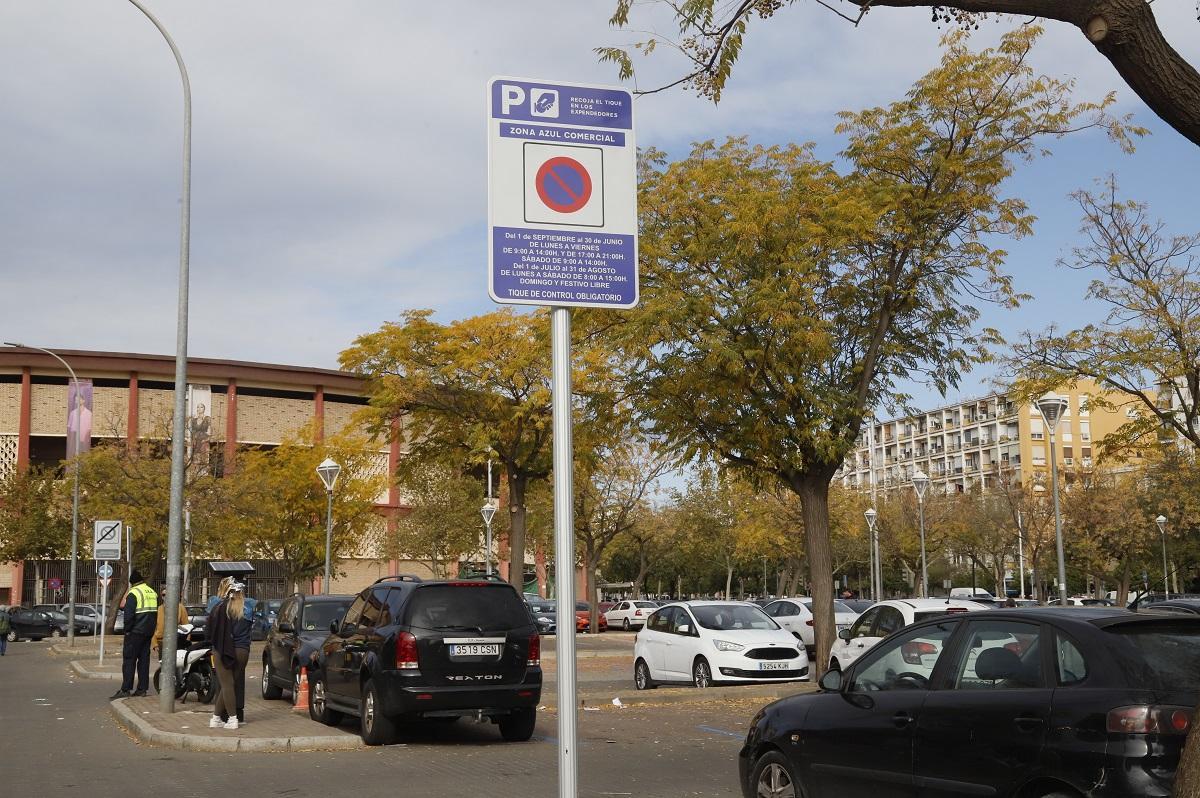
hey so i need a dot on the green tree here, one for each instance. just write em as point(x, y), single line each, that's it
point(465, 388)
point(712, 36)
point(275, 507)
point(783, 300)
point(444, 524)
point(35, 516)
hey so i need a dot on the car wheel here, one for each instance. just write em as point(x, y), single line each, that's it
point(270, 691)
point(774, 777)
point(206, 685)
point(641, 676)
point(625, 625)
point(377, 728)
point(518, 727)
point(13, 637)
point(318, 707)
point(56, 632)
point(701, 673)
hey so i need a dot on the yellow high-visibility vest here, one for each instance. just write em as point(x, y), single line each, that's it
point(146, 598)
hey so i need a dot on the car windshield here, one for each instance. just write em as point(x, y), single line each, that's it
point(1167, 654)
point(541, 606)
point(196, 609)
point(317, 617)
point(466, 608)
point(727, 617)
point(645, 605)
point(837, 607)
point(55, 615)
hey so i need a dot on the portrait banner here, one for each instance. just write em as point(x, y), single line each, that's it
point(79, 416)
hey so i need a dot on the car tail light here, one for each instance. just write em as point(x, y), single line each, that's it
point(637, 614)
point(809, 622)
point(1149, 720)
point(535, 650)
point(406, 652)
point(913, 651)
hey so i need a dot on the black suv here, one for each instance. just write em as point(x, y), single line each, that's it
point(409, 649)
point(294, 638)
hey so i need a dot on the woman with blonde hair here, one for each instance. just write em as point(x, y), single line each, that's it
point(229, 635)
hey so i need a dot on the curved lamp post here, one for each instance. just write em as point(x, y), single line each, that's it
point(1053, 408)
point(328, 471)
point(74, 495)
point(920, 483)
point(1162, 528)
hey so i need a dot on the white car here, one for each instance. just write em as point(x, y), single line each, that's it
point(711, 642)
point(885, 617)
point(630, 614)
point(795, 615)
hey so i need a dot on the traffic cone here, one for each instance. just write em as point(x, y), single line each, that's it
point(301, 704)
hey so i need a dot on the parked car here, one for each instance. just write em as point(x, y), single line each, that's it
point(630, 614)
point(886, 617)
point(1039, 703)
point(795, 615)
point(583, 618)
point(1184, 606)
point(90, 612)
point(27, 625)
point(544, 612)
point(59, 623)
point(605, 606)
point(301, 626)
point(858, 605)
point(263, 617)
point(711, 642)
point(197, 616)
point(409, 649)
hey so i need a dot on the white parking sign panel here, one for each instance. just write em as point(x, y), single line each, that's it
point(562, 198)
point(106, 541)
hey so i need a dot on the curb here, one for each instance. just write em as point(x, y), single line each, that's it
point(86, 673)
point(141, 729)
point(683, 695)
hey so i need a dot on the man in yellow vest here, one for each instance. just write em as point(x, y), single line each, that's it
point(141, 613)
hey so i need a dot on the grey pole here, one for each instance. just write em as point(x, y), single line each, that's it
point(924, 569)
point(1058, 540)
point(74, 498)
point(328, 538)
point(1162, 527)
point(166, 699)
point(564, 548)
point(1021, 552)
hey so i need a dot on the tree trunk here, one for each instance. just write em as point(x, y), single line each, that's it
point(1187, 776)
point(814, 500)
point(728, 577)
point(589, 588)
point(516, 532)
point(643, 569)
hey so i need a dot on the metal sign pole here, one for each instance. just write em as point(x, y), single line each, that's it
point(564, 549)
point(103, 610)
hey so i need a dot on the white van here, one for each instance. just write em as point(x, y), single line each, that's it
point(970, 593)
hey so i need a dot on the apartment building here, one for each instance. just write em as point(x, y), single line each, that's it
point(974, 443)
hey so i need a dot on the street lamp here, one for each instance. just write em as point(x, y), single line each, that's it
point(74, 492)
point(1162, 528)
point(920, 482)
point(1053, 408)
point(873, 555)
point(328, 471)
point(488, 511)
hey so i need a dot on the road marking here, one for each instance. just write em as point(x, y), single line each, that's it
point(711, 730)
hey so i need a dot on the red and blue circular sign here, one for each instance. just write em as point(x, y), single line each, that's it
point(563, 184)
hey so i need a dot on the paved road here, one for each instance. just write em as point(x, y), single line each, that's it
point(59, 740)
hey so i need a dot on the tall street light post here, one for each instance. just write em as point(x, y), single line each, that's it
point(488, 511)
point(1052, 409)
point(1021, 551)
point(920, 482)
point(74, 493)
point(871, 515)
point(328, 471)
point(1162, 528)
point(166, 699)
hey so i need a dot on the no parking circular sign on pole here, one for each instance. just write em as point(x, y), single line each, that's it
point(563, 184)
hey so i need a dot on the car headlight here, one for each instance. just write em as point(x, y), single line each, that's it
point(543, 620)
point(725, 645)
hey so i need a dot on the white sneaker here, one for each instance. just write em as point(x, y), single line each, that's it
point(215, 722)
point(232, 724)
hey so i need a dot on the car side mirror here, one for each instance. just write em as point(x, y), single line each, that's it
point(284, 626)
point(844, 634)
point(684, 629)
point(333, 626)
point(831, 681)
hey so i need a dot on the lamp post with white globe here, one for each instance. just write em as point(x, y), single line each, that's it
point(873, 554)
point(920, 482)
point(1052, 409)
point(328, 471)
point(1162, 528)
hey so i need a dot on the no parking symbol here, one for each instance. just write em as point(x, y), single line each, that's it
point(564, 184)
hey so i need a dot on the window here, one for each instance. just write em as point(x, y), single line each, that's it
point(785, 609)
point(1085, 431)
point(354, 613)
point(890, 620)
point(905, 663)
point(661, 620)
point(477, 608)
point(375, 609)
point(317, 617)
point(1068, 661)
point(682, 624)
point(724, 617)
point(1000, 655)
point(1037, 430)
point(862, 627)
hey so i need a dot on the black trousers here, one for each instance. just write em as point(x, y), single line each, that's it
point(135, 654)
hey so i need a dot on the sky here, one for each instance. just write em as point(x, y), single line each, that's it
point(339, 156)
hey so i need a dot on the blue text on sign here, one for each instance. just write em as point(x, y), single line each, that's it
point(611, 138)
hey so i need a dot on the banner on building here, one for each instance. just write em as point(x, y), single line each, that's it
point(199, 426)
point(79, 416)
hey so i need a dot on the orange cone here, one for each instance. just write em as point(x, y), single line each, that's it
point(301, 704)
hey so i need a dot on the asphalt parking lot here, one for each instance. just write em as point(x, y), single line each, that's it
point(60, 738)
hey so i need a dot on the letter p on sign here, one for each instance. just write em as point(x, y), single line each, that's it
point(510, 96)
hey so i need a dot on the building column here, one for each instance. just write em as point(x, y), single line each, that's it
point(231, 426)
point(131, 425)
point(319, 413)
point(23, 423)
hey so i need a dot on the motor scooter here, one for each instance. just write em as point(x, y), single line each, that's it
point(193, 666)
